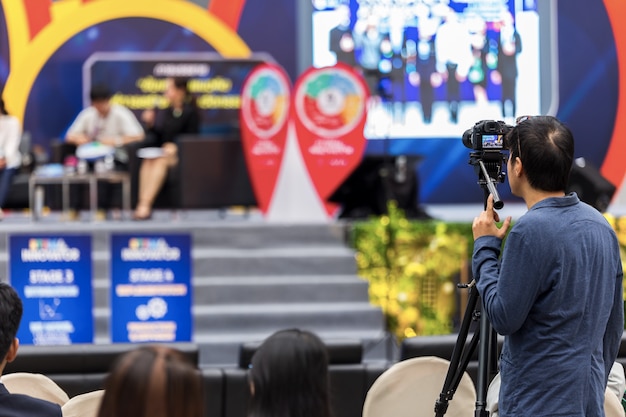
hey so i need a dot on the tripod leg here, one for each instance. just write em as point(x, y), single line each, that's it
point(457, 367)
point(486, 361)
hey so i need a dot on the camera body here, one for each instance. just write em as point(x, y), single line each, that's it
point(486, 135)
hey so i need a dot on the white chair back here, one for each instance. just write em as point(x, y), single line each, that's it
point(35, 385)
point(410, 389)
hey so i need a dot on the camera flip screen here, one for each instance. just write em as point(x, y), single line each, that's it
point(492, 141)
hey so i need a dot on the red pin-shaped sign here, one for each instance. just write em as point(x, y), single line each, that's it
point(330, 113)
point(265, 101)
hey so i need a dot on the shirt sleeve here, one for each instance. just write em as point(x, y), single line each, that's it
point(11, 146)
point(615, 326)
point(129, 123)
point(80, 124)
point(193, 122)
point(509, 289)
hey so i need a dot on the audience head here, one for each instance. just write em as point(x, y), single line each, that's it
point(545, 146)
point(100, 97)
point(10, 317)
point(152, 381)
point(289, 376)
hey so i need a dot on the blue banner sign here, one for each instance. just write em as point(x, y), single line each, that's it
point(151, 288)
point(52, 275)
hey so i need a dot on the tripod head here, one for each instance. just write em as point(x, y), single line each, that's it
point(488, 166)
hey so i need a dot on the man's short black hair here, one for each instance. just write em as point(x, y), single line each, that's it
point(10, 317)
point(99, 93)
point(546, 148)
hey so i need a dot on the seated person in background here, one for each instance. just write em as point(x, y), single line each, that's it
point(10, 157)
point(289, 376)
point(10, 317)
point(181, 116)
point(107, 123)
point(152, 381)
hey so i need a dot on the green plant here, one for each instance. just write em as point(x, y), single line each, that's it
point(413, 268)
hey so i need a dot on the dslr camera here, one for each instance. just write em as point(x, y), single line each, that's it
point(486, 135)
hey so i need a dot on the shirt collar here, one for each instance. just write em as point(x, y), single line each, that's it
point(565, 201)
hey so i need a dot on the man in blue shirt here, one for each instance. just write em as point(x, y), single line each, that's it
point(556, 295)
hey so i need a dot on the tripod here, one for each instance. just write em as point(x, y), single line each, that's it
point(484, 337)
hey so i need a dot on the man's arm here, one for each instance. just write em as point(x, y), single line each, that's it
point(130, 128)
point(77, 133)
point(507, 299)
point(13, 135)
point(77, 139)
point(615, 326)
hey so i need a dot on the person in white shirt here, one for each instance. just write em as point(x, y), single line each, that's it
point(10, 157)
point(105, 122)
point(109, 124)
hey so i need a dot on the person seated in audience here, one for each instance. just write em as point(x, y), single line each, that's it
point(10, 157)
point(107, 123)
point(16, 404)
point(152, 381)
point(163, 128)
point(288, 376)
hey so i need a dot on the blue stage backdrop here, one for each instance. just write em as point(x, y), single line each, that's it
point(586, 59)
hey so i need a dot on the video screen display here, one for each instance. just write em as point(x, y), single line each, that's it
point(435, 67)
point(493, 141)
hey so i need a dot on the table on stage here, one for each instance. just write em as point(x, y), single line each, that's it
point(89, 178)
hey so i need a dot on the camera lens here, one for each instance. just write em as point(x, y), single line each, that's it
point(467, 139)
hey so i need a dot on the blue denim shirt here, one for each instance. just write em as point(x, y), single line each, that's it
point(557, 298)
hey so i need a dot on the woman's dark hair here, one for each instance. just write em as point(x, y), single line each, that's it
point(182, 83)
point(546, 149)
point(3, 109)
point(152, 381)
point(289, 376)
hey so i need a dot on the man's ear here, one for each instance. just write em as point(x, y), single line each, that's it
point(12, 353)
point(518, 168)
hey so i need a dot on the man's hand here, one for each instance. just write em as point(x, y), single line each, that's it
point(110, 141)
point(485, 223)
point(78, 139)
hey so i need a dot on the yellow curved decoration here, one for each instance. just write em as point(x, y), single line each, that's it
point(17, 28)
point(52, 37)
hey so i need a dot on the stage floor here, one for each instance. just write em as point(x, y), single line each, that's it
point(444, 212)
point(173, 219)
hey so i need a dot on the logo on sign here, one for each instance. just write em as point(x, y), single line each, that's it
point(266, 101)
point(156, 309)
point(330, 102)
point(149, 249)
point(49, 250)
